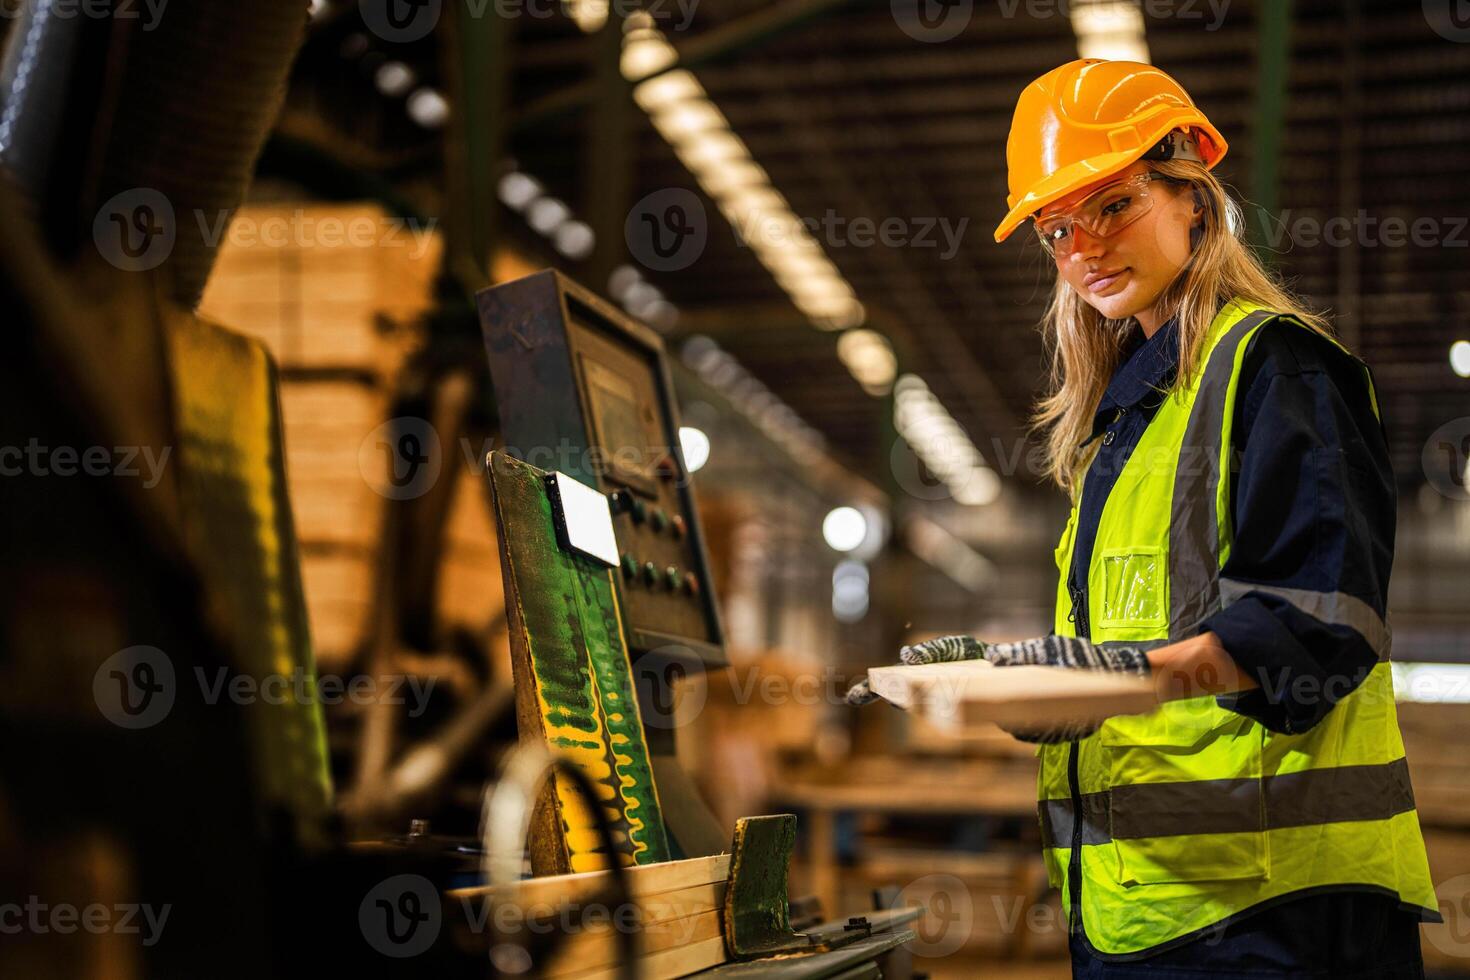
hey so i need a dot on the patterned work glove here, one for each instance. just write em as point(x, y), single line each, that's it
point(943, 649)
point(1065, 651)
point(1044, 651)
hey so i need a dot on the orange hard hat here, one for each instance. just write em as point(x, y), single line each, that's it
point(1089, 119)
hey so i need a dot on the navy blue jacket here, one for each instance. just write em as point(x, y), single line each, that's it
point(1314, 505)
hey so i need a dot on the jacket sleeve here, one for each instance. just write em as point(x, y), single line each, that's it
point(1305, 586)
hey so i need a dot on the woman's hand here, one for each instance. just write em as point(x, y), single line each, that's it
point(1197, 666)
point(943, 649)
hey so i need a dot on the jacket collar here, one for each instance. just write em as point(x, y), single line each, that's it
point(1149, 363)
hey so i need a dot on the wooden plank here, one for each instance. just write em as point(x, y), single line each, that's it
point(643, 880)
point(825, 965)
point(600, 947)
point(975, 692)
point(573, 683)
point(668, 964)
point(588, 904)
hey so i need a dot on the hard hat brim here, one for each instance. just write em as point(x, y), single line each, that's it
point(1075, 176)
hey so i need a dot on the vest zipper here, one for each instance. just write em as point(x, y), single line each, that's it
point(1074, 859)
point(1078, 615)
point(1074, 785)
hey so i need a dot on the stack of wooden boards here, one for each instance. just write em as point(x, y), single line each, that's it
point(674, 910)
point(334, 292)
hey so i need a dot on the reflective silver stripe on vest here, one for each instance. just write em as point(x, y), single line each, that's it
point(1194, 537)
point(1333, 608)
point(1222, 806)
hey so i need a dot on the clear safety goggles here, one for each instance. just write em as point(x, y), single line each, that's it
point(1106, 212)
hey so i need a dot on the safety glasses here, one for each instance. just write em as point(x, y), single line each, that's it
point(1106, 212)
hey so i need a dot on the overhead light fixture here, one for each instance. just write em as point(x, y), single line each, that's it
point(869, 358)
point(517, 190)
point(574, 239)
point(667, 89)
point(720, 161)
point(428, 108)
point(695, 445)
point(844, 528)
point(645, 49)
point(936, 546)
point(589, 15)
point(547, 214)
point(394, 78)
point(938, 440)
point(1460, 358)
point(849, 591)
point(773, 417)
point(688, 118)
point(1112, 30)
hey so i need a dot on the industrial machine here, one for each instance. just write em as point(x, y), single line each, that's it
point(583, 389)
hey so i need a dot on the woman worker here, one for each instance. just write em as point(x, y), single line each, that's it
point(1231, 533)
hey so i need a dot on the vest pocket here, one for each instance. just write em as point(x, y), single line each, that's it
point(1133, 588)
point(1186, 802)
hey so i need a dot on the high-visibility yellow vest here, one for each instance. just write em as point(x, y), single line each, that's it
point(1192, 814)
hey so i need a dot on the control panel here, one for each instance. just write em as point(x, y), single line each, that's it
point(584, 389)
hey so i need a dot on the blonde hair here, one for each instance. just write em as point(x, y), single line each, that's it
point(1084, 347)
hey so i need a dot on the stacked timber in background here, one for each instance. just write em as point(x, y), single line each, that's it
point(335, 292)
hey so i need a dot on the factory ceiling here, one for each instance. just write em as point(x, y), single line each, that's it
point(860, 118)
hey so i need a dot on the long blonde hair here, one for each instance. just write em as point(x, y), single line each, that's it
point(1085, 348)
